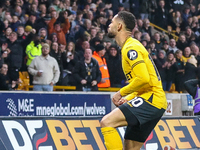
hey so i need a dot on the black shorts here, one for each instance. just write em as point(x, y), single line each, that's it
point(142, 117)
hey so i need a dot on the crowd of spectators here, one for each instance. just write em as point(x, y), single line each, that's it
point(72, 28)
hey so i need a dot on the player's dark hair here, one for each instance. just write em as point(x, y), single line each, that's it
point(128, 19)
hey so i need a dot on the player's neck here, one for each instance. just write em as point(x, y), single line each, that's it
point(121, 39)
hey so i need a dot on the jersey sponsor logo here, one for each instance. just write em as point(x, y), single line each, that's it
point(129, 76)
point(132, 54)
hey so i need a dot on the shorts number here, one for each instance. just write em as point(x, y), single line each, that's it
point(137, 101)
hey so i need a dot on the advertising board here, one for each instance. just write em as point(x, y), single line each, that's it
point(54, 104)
point(83, 133)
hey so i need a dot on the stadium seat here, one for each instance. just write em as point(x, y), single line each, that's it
point(24, 80)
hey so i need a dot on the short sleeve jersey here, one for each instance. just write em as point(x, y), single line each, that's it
point(138, 67)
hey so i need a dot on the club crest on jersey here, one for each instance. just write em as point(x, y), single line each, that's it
point(132, 54)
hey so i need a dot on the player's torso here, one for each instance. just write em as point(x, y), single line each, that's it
point(133, 50)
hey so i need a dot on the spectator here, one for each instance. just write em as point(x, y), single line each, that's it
point(15, 23)
point(79, 18)
point(190, 36)
point(140, 24)
point(21, 33)
point(144, 7)
point(59, 54)
point(42, 22)
point(170, 71)
point(99, 22)
point(172, 46)
point(73, 27)
point(80, 52)
point(152, 8)
point(176, 20)
point(93, 32)
point(195, 51)
point(144, 43)
point(114, 63)
point(98, 55)
point(190, 69)
point(138, 35)
point(55, 27)
point(195, 25)
point(182, 42)
point(83, 28)
point(186, 54)
point(5, 36)
point(69, 64)
point(169, 32)
point(158, 42)
point(45, 70)
point(110, 16)
point(33, 50)
point(165, 47)
point(146, 36)
point(87, 73)
point(53, 37)
point(161, 15)
point(89, 15)
point(186, 14)
point(100, 9)
point(153, 51)
point(15, 57)
point(43, 35)
point(186, 24)
point(146, 27)
point(179, 66)
point(32, 20)
point(177, 31)
point(6, 83)
point(159, 61)
point(192, 86)
point(42, 10)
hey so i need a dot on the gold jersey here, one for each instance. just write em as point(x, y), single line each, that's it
point(142, 74)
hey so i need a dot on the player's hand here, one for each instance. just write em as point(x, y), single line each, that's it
point(116, 98)
point(122, 101)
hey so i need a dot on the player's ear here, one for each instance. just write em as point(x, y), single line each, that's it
point(119, 27)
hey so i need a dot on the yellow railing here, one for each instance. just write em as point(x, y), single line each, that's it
point(157, 27)
point(70, 88)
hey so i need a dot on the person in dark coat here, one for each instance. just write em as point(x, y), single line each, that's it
point(180, 69)
point(182, 42)
point(113, 60)
point(159, 62)
point(6, 83)
point(60, 55)
point(87, 73)
point(4, 79)
point(15, 57)
point(192, 87)
point(170, 71)
point(161, 15)
point(190, 69)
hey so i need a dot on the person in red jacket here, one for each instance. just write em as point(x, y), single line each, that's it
point(55, 26)
point(98, 55)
